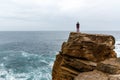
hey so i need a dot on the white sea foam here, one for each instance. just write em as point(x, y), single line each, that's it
point(42, 70)
point(117, 48)
point(25, 54)
point(9, 75)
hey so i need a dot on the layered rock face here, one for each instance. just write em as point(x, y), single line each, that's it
point(108, 69)
point(84, 55)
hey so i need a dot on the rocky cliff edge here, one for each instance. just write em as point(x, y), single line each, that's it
point(87, 57)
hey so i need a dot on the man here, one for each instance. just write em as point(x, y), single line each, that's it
point(77, 26)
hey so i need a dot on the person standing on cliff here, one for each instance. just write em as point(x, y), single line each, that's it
point(77, 27)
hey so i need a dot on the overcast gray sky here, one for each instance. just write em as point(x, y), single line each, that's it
point(59, 15)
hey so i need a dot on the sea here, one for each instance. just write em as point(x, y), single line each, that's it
point(30, 55)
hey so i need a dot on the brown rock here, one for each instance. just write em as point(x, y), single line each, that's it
point(56, 68)
point(88, 50)
point(78, 64)
point(66, 67)
point(61, 72)
point(93, 47)
point(114, 77)
point(97, 38)
point(82, 54)
point(111, 66)
point(92, 75)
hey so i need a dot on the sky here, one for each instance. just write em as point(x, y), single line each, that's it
point(59, 15)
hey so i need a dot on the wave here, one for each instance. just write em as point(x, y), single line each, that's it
point(117, 48)
point(20, 65)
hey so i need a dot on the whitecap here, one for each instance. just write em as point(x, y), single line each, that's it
point(25, 54)
point(42, 71)
point(5, 58)
point(117, 48)
point(2, 65)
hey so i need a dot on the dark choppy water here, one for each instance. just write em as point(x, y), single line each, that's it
point(30, 55)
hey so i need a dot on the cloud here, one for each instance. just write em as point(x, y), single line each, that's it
point(57, 14)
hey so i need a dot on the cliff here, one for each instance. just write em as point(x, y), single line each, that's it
point(87, 57)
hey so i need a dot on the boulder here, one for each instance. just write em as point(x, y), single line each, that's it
point(111, 66)
point(92, 75)
point(114, 77)
point(97, 75)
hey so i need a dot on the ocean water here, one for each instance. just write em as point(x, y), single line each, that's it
point(29, 55)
